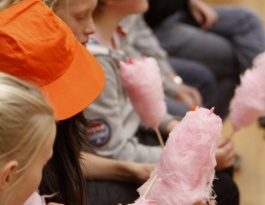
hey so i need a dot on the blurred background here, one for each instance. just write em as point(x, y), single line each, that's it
point(250, 141)
point(258, 5)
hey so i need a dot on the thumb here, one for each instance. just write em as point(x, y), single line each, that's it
point(198, 16)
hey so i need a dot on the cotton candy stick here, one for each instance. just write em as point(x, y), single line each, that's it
point(248, 103)
point(141, 79)
point(143, 201)
point(186, 169)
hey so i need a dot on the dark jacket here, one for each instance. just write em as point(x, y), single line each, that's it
point(159, 10)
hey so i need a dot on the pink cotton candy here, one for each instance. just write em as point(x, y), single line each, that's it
point(248, 102)
point(186, 169)
point(141, 79)
point(259, 61)
point(35, 199)
point(143, 201)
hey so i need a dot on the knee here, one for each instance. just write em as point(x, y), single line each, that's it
point(250, 17)
point(226, 190)
point(206, 76)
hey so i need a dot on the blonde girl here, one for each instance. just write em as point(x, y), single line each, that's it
point(5, 3)
point(27, 132)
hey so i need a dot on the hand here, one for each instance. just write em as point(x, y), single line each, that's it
point(225, 154)
point(142, 171)
point(189, 95)
point(205, 15)
point(212, 202)
point(171, 124)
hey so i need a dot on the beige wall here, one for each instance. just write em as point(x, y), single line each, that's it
point(258, 5)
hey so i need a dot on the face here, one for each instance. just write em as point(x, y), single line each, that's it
point(77, 14)
point(33, 174)
point(131, 6)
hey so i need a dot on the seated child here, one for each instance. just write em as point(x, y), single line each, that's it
point(27, 133)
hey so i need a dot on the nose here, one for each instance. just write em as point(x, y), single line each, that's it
point(90, 27)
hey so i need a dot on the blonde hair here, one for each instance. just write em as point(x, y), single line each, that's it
point(55, 4)
point(6, 3)
point(26, 121)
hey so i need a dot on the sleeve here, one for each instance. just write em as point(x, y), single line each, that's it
point(159, 10)
point(142, 38)
point(113, 125)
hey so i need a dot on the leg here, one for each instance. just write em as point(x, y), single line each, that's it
point(225, 92)
point(175, 107)
point(111, 193)
point(212, 50)
point(199, 76)
point(225, 189)
point(244, 29)
point(189, 42)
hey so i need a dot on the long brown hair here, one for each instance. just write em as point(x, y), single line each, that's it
point(63, 173)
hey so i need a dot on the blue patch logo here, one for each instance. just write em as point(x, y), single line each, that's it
point(99, 132)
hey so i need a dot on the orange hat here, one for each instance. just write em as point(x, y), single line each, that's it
point(38, 47)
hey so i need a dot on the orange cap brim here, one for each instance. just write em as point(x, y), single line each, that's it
point(78, 87)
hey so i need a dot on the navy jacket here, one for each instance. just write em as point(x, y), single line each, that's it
point(161, 9)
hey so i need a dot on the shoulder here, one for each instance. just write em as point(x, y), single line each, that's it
point(99, 50)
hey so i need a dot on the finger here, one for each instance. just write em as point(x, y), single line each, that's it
point(229, 162)
point(187, 99)
point(197, 97)
point(190, 101)
point(230, 152)
point(223, 142)
point(199, 18)
point(229, 158)
point(210, 19)
point(51, 203)
point(209, 14)
point(194, 95)
point(199, 203)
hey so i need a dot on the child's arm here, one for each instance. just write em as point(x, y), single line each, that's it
point(101, 168)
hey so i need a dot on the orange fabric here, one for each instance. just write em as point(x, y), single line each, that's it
point(38, 47)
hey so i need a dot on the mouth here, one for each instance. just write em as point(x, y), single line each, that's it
point(84, 42)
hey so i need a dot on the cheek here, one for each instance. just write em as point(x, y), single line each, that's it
point(30, 182)
point(34, 178)
point(139, 6)
point(76, 29)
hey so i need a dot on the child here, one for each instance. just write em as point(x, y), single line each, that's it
point(5, 3)
point(112, 110)
point(46, 53)
point(69, 180)
point(27, 132)
point(209, 35)
point(63, 173)
point(77, 13)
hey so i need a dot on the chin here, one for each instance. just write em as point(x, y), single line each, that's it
point(145, 7)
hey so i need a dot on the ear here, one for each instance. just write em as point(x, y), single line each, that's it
point(6, 174)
